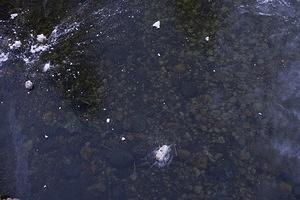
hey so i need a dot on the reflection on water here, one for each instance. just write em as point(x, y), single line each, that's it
point(218, 82)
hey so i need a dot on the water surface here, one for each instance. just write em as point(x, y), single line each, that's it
point(219, 81)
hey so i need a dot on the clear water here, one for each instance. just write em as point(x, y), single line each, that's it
point(218, 81)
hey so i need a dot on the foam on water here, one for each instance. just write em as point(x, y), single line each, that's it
point(280, 8)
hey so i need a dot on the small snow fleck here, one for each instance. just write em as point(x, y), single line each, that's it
point(45, 186)
point(214, 70)
point(104, 108)
point(14, 15)
point(123, 138)
point(207, 38)
point(260, 113)
point(156, 24)
point(46, 136)
point(47, 66)
point(41, 38)
point(59, 108)
point(107, 120)
point(158, 54)
point(17, 44)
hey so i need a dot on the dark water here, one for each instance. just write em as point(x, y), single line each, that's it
point(219, 81)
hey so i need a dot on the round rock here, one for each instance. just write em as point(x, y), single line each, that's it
point(29, 85)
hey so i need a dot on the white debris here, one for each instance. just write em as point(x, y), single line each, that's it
point(17, 44)
point(158, 54)
point(107, 120)
point(28, 85)
point(45, 186)
point(3, 57)
point(47, 66)
point(207, 38)
point(260, 113)
point(41, 38)
point(46, 136)
point(163, 155)
point(38, 48)
point(156, 24)
point(14, 15)
point(123, 138)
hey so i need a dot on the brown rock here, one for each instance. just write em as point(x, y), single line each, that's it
point(179, 68)
point(200, 161)
point(86, 151)
point(285, 187)
point(99, 187)
point(183, 154)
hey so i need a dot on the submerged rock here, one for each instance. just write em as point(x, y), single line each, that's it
point(188, 89)
point(29, 85)
point(120, 158)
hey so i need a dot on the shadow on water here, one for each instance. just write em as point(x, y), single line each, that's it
point(198, 19)
point(78, 75)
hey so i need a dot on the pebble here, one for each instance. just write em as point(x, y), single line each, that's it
point(188, 89)
point(133, 176)
point(296, 190)
point(198, 189)
point(135, 124)
point(180, 68)
point(201, 161)
point(285, 187)
point(120, 158)
point(183, 154)
point(28, 85)
point(86, 151)
point(99, 187)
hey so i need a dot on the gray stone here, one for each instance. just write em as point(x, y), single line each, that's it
point(120, 158)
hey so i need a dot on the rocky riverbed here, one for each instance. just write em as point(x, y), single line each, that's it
point(217, 81)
